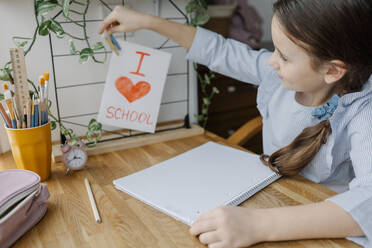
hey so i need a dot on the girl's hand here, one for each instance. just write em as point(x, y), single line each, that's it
point(226, 227)
point(122, 19)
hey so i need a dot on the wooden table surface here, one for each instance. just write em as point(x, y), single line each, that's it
point(127, 222)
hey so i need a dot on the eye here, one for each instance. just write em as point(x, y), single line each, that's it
point(283, 58)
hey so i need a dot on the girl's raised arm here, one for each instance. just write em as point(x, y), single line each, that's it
point(225, 56)
point(122, 19)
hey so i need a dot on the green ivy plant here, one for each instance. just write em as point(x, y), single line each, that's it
point(197, 9)
point(45, 25)
point(208, 92)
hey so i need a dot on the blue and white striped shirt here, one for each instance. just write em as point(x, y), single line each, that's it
point(344, 163)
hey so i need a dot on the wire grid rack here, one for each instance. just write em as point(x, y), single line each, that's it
point(116, 134)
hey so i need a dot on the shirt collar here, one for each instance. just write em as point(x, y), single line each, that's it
point(348, 99)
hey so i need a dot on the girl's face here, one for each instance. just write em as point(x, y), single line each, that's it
point(292, 63)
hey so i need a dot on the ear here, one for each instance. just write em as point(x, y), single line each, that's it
point(335, 70)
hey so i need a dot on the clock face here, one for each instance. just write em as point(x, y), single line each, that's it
point(76, 158)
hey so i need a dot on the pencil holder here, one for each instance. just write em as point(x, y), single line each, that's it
point(32, 149)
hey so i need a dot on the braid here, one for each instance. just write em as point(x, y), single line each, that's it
point(290, 160)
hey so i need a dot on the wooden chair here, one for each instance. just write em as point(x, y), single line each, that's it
point(247, 131)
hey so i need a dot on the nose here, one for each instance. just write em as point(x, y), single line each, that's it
point(273, 62)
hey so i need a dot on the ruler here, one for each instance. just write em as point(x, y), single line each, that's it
point(21, 90)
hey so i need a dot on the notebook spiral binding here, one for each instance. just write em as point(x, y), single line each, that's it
point(257, 187)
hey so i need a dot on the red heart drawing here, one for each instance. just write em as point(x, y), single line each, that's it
point(132, 92)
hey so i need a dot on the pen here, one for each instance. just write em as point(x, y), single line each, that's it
point(113, 48)
point(40, 112)
point(46, 97)
point(36, 113)
point(44, 113)
point(40, 109)
point(110, 42)
point(9, 104)
point(2, 115)
point(19, 126)
point(29, 107)
point(32, 124)
point(24, 124)
point(46, 77)
point(115, 42)
point(42, 88)
point(5, 116)
point(17, 116)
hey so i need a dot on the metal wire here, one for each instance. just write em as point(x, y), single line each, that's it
point(56, 87)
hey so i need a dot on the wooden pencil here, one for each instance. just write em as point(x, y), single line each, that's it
point(92, 201)
point(5, 116)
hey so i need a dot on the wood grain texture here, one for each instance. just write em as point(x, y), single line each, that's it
point(135, 141)
point(127, 222)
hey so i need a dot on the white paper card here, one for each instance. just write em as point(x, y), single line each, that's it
point(134, 87)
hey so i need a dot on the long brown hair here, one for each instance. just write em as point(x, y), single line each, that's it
point(326, 30)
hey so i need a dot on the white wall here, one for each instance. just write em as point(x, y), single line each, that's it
point(17, 19)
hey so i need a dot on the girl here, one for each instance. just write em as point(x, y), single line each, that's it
point(315, 97)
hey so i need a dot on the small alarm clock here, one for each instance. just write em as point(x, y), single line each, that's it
point(74, 157)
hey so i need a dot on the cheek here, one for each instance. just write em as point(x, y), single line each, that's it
point(293, 78)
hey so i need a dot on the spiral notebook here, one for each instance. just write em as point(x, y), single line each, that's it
point(206, 177)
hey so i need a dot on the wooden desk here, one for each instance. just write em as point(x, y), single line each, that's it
point(127, 222)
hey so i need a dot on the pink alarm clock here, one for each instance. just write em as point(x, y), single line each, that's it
point(74, 157)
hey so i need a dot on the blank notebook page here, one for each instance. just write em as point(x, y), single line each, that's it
point(198, 180)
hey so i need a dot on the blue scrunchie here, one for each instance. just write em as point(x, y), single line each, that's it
point(324, 112)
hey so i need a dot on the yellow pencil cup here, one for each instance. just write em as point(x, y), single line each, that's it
point(32, 149)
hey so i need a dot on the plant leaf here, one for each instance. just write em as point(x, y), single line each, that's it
point(94, 132)
point(1, 97)
point(200, 118)
point(206, 101)
point(98, 46)
point(92, 121)
point(87, 51)
point(215, 90)
point(191, 7)
point(75, 139)
point(200, 18)
point(56, 28)
point(72, 47)
point(4, 76)
point(83, 58)
point(21, 44)
point(45, 7)
point(66, 7)
point(94, 126)
point(44, 28)
point(207, 79)
point(85, 54)
point(203, 4)
point(21, 41)
point(53, 125)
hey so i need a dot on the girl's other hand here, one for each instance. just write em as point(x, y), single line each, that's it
point(123, 19)
point(228, 227)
